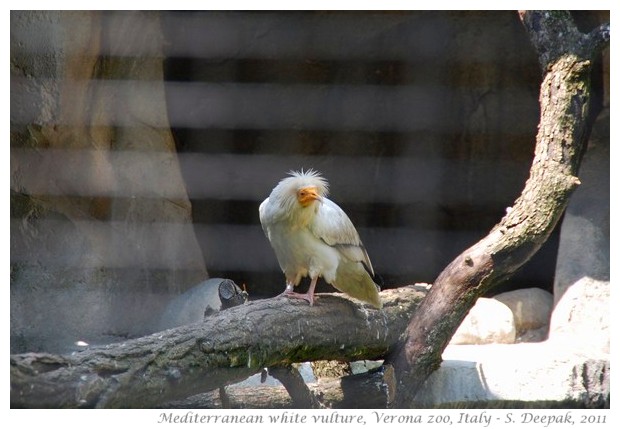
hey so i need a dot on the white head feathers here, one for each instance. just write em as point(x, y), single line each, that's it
point(285, 195)
point(301, 179)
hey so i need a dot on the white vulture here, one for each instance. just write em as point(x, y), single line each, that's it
point(312, 236)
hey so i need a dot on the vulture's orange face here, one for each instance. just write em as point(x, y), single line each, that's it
point(307, 195)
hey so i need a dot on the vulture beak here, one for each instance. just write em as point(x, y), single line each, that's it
point(307, 195)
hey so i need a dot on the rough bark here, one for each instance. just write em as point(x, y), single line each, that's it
point(565, 56)
point(227, 347)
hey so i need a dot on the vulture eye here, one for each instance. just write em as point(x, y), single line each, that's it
point(307, 195)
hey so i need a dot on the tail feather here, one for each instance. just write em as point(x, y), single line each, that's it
point(354, 280)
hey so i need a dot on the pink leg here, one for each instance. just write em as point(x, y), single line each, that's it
point(308, 296)
point(288, 290)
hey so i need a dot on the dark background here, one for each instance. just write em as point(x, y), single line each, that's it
point(424, 123)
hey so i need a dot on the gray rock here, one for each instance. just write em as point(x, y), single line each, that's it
point(533, 335)
point(489, 321)
point(582, 279)
point(190, 306)
point(536, 374)
point(531, 307)
point(584, 238)
point(582, 316)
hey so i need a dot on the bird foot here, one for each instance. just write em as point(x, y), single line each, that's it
point(307, 296)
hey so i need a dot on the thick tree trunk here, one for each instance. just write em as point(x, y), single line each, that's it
point(565, 57)
point(227, 347)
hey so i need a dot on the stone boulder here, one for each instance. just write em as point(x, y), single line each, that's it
point(489, 321)
point(583, 316)
point(531, 309)
point(585, 234)
point(582, 285)
point(534, 375)
point(190, 306)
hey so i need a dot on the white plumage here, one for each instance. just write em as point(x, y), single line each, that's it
point(312, 236)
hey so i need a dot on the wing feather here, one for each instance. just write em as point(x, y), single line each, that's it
point(262, 215)
point(332, 225)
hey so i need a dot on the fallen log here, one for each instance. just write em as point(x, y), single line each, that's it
point(227, 347)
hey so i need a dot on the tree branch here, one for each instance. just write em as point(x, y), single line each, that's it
point(295, 385)
point(562, 134)
point(227, 347)
point(554, 35)
point(599, 38)
point(373, 389)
